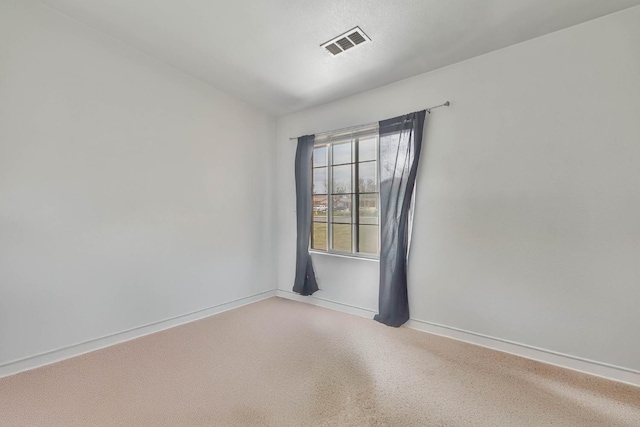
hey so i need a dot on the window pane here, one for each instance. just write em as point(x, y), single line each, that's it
point(342, 207)
point(320, 156)
point(320, 208)
point(367, 149)
point(341, 237)
point(341, 153)
point(367, 178)
point(368, 237)
point(319, 236)
point(320, 181)
point(341, 179)
point(368, 209)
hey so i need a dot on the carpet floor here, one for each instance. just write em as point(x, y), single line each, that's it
point(284, 363)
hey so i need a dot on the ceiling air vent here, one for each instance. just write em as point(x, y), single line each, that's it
point(351, 38)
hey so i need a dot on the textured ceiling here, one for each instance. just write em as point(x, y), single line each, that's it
point(267, 52)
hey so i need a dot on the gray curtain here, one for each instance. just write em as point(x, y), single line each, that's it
point(305, 281)
point(400, 145)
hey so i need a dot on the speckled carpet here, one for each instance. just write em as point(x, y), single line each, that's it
point(283, 363)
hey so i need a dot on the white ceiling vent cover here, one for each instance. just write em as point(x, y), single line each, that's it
point(343, 42)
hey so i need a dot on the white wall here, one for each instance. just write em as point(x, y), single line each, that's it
point(129, 192)
point(527, 222)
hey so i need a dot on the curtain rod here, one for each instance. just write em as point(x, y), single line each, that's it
point(446, 104)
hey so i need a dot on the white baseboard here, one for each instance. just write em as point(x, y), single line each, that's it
point(327, 303)
point(611, 372)
point(42, 359)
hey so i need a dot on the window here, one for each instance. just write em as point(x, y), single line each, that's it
point(346, 194)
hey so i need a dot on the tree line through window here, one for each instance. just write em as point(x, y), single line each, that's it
point(345, 194)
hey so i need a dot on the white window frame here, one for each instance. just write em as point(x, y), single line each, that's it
point(328, 140)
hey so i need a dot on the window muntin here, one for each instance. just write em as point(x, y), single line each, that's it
point(346, 194)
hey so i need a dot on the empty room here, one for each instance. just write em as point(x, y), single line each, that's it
point(319, 213)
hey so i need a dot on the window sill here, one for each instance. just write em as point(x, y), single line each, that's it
point(355, 257)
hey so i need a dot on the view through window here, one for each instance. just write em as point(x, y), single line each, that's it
point(345, 193)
